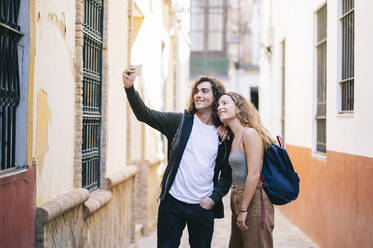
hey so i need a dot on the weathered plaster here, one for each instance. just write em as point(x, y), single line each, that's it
point(43, 119)
point(60, 22)
point(60, 221)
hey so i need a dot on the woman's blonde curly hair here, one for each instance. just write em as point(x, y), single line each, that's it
point(249, 116)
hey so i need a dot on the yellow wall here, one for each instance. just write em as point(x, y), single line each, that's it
point(116, 58)
point(53, 96)
point(52, 86)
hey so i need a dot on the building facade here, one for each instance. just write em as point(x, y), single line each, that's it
point(314, 84)
point(225, 43)
point(76, 166)
point(244, 48)
point(18, 170)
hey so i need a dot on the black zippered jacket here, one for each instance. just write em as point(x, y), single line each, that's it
point(177, 128)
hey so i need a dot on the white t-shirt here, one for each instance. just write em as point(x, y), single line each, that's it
point(194, 178)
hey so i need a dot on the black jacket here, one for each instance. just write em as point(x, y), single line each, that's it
point(177, 128)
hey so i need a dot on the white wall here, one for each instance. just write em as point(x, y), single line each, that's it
point(241, 80)
point(265, 63)
point(147, 50)
point(182, 58)
point(298, 33)
point(255, 30)
point(294, 21)
point(182, 77)
point(351, 133)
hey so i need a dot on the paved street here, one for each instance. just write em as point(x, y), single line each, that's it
point(285, 235)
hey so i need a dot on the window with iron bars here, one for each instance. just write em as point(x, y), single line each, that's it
point(347, 20)
point(92, 84)
point(9, 81)
point(321, 79)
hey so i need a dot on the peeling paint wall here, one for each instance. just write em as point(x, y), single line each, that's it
point(43, 120)
point(54, 89)
point(54, 86)
point(56, 110)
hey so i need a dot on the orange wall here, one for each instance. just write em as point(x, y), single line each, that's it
point(335, 203)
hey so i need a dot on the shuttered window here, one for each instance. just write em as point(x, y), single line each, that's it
point(321, 79)
point(347, 70)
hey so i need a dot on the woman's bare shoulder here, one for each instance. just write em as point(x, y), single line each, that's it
point(250, 133)
point(251, 136)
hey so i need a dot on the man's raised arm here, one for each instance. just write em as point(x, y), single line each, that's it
point(165, 122)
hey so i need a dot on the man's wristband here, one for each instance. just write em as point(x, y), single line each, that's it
point(243, 211)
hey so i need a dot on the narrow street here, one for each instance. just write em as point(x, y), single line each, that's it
point(91, 100)
point(285, 235)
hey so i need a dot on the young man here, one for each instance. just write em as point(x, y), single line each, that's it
point(197, 175)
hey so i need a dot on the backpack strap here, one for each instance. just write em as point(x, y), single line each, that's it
point(280, 141)
point(261, 182)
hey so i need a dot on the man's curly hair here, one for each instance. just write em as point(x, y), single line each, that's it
point(218, 89)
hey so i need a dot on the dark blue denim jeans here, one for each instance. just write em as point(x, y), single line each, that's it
point(173, 215)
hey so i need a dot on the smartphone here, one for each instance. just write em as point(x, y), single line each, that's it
point(137, 70)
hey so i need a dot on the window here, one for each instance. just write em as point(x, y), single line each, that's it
point(321, 79)
point(347, 70)
point(10, 35)
point(208, 37)
point(197, 26)
point(208, 26)
point(92, 81)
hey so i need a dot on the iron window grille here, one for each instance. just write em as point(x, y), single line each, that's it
point(9, 80)
point(321, 79)
point(92, 84)
point(348, 39)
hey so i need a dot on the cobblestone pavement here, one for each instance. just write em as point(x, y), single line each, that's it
point(285, 234)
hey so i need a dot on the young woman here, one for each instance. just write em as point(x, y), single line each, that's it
point(252, 210)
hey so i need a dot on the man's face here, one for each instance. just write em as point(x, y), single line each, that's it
point(203, 96)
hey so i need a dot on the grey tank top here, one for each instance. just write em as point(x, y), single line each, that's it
point(238, 163)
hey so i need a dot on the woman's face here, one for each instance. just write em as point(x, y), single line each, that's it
point(226, 108)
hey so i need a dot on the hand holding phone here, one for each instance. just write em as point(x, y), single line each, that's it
point(129, 75)
point(137, 70)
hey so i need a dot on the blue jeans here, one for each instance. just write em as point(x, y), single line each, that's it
point(173, 215)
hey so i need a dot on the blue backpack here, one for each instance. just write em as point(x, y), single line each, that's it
point(279, 179)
